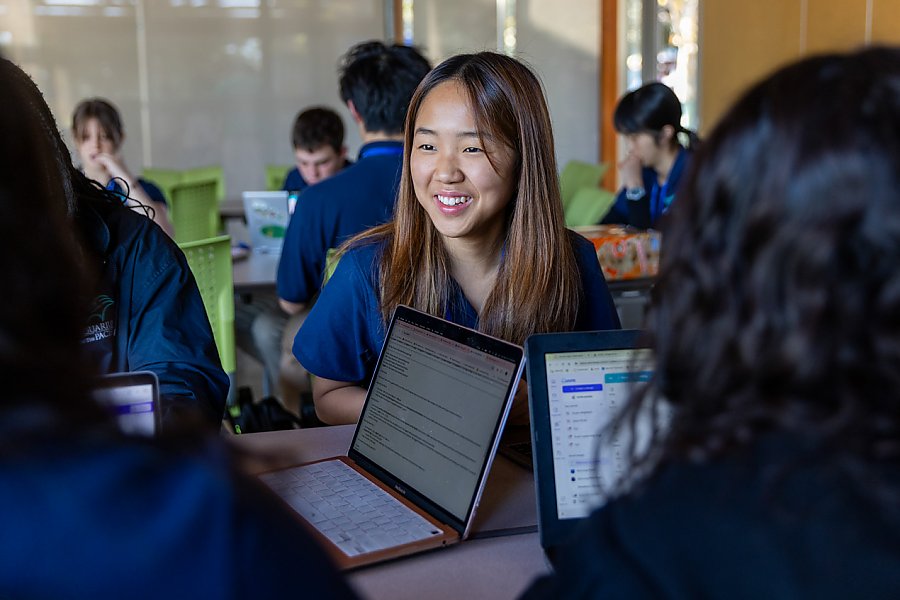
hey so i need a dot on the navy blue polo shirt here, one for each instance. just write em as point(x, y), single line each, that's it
point(344, 332)
point(359, 197)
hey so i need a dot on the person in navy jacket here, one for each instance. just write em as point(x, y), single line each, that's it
point(478, 236)
point(775, 329)
point(650, 120)
point(146, 313)
point(86, 511)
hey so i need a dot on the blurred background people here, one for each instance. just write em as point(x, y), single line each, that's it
point(650, 120)
point(99, 134)
point(319, 152)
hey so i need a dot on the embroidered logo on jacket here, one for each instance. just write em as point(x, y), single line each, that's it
point(99, 327)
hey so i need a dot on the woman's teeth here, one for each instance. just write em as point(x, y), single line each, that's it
point(453, 200)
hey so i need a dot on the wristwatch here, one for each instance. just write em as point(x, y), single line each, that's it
point(635, 193)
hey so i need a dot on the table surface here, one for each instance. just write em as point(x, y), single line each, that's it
point(500, 559)
point(256, 271)
point(232, 208)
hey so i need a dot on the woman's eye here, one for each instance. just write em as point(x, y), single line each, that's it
point(473, 149)
point(426, 147)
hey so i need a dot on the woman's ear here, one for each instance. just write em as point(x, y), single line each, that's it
point(666, 136)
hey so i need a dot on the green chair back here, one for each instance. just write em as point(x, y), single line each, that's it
point(588, 206)
point(210, 262)
point(275, 175)
point(331, 263)
point(165, 179)
point(214, 172)
point(194, 210)
point(577, 175)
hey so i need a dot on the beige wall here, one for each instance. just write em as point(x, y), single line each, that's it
point(742, 41)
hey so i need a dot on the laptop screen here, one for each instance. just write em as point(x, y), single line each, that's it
point(434, 407)
point(132, 398)
point(586, 390)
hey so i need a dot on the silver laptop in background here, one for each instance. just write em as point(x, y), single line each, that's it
point(267, 220)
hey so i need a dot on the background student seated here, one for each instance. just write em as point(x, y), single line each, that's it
point(85, 511)
point(377, 82)
point(478, 236)
point(99, 134)
point(318, 141)
point(777, 340)
point(650, 120)
point(263, 329)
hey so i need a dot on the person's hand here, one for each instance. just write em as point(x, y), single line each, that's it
point(114, 167)
point(630, 172)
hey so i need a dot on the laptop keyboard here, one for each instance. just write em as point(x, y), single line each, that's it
point(351, 511)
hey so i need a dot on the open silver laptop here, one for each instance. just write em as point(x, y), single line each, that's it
point(423, 447)
point(267, 220)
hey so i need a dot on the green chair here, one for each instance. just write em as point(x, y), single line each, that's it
point(275, 175)
point(165, 179)
point(577, 175)
point(194, 210)
point(210, 262)
point(215, 172)
point(588, 206)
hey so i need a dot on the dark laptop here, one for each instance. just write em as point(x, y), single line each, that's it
point(422, 450)
point(577, 383)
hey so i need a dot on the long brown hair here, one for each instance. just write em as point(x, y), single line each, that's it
point(538, 288)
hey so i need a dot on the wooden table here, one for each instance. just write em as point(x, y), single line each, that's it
point(499, 561)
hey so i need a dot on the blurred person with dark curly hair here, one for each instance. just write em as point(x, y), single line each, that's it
point(776, 329)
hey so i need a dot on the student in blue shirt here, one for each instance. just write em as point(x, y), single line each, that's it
point(478, 236)
point(87, 512)
point(376, 82)
point(98, 133)
point(650, 120)
point(262, 328)
point(319, 151)
point(775, 325)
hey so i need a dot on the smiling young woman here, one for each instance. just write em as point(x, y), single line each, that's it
point(478, 235)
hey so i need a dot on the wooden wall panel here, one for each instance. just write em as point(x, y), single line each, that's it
point(739, 43)
point(886, 22)
point(835, 25)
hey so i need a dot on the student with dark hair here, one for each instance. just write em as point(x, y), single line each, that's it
point(377, 82)
point(777, 341)
point(146, 313)
point(262, 327)
point(318, 141)
point(478, 236)
point(98, 133)
point(651, 172)
point(87, 512)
